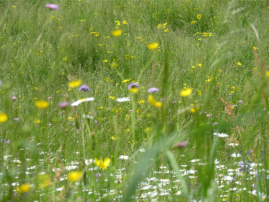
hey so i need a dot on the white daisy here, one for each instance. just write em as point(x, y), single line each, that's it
point(124, 99)
point(124, 157)
point(221, 134)
point(82, 100)
point(234, 155)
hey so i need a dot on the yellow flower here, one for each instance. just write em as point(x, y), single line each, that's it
point(133, 90)
point(199, 65)
point(113, 138)
point(192, 110)
point(153, 46)
point(124, 22)
point(255, 48)
point(44, 181)
point(199, 16)
point(102, 164)
point(113, 65)
point(186, 92)
point(166, 30)
point(147, 130)
point(74, 176)
point(74, 84)
point(42, 104)
point(267, 73)
point(193, 22)
point(154, 102)
point(3, 117)
point(141, 102)
point(239, 63)
point(116, 32)
point(24, 188)
point(118, 23)
point(126, 80)
point(37, 121)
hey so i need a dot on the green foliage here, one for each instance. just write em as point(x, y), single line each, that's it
point(215, 48)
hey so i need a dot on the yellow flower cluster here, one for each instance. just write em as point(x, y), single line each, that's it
point(154, 102)
point(102, 164)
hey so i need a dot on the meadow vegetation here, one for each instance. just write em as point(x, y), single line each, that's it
point(129, 100)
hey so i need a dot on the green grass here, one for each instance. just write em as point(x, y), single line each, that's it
point(222, 55)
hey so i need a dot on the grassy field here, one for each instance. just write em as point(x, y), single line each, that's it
point(129, 100)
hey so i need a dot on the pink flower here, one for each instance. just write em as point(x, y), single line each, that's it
point(52, 6)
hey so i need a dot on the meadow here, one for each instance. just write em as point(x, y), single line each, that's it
point(134, 100)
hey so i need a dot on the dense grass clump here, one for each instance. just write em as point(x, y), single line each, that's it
point(130, 100)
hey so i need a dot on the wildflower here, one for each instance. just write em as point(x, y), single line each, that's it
point(193, 22)
point(166, 30)
point(153, 90)
point(153, 46)
point(74, 84)
point(114, 65)
point(154, 102)
point(113, 138)
point(192, 110)
point(181, 144)
point(102, 164)
point(234, 155)
point(133, 87)
point(199, 16)
point(13, 98)
point(255, 48)
point(37, 121)
point(116, 32)
point(74, 176)
point(124, 99)
point(82, 100)
point(3, 117)
point(124, 157)
point(52, 6)
point(84, 88)
point(64, 104)
point(126, 80)
point(221, 134)
point(42, 104)
point(199, 65)
point(240, 101)
point(186, 92)
point(141, 102)
point(239, 63)
point(147, 130)
point(24, 188)
point(44, 181)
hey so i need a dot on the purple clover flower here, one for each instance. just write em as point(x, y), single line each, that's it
point(133, 85)
point(181, 144)
point(52, 6)
point(13, 98)
point(153, 90)
point(235, 106)
point(64, 104)
point(84, 88)
point(240, 101)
